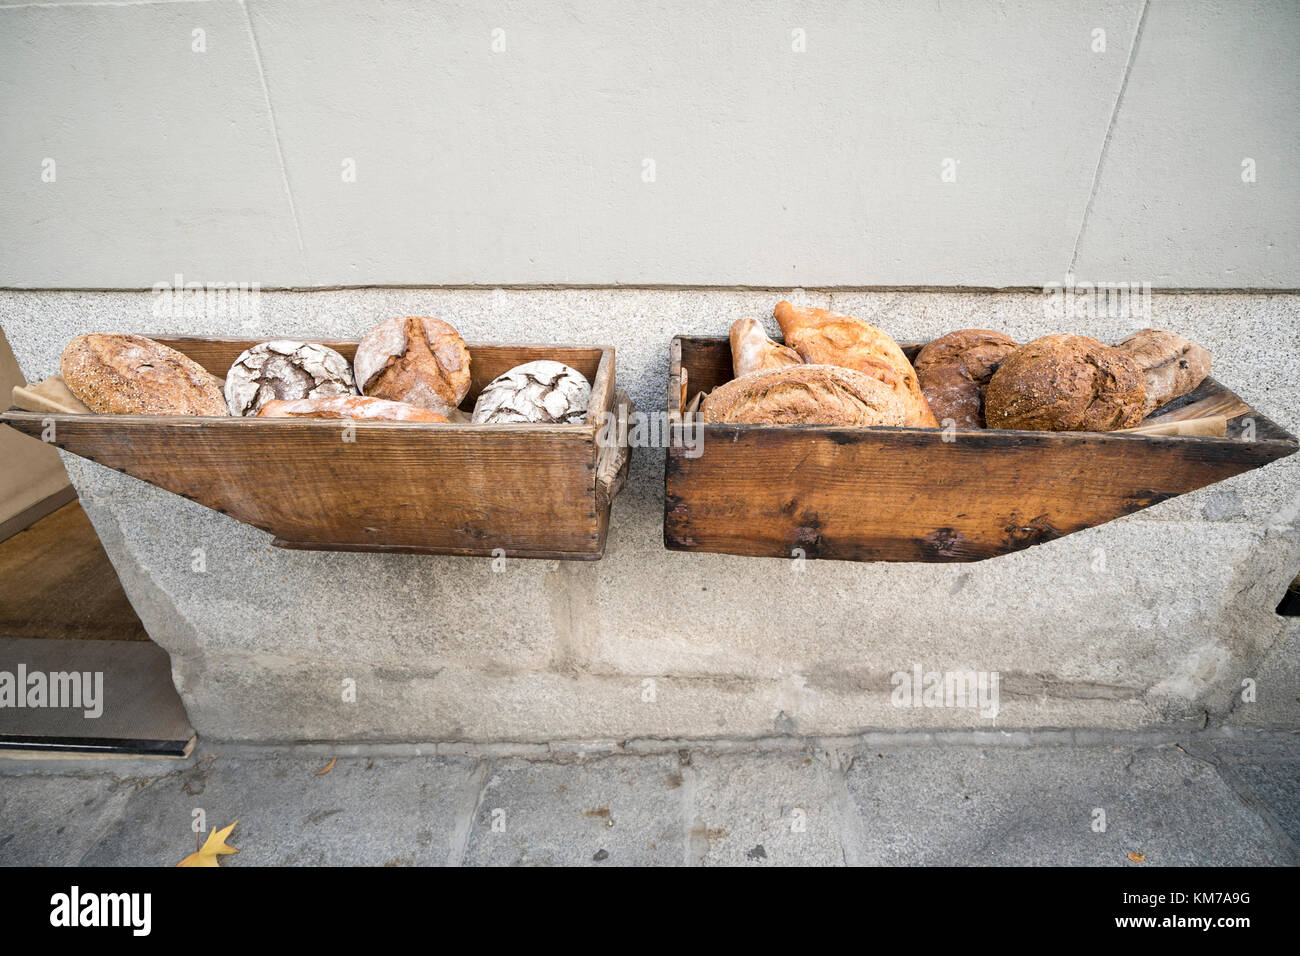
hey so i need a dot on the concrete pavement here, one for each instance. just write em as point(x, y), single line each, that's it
point(1220, 797)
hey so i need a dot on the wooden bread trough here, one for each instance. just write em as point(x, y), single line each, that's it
point(536, 491)
point(906, 494)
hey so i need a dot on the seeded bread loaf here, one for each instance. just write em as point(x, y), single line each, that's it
point(1066, 383)
point(805, 395)
point(132, 375)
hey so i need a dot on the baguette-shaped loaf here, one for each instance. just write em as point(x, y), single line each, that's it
point(823, 337)
point(349, 406)
point(804, 395)
point(752, 350)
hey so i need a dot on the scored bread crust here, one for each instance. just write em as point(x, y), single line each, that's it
point(752, 350)
point(415, 359)
point(133, 375)
point(1170, 364)
point(805, 395)
point(822, 337)
point(955, 369)
point(349, 406)
point(1066, 383)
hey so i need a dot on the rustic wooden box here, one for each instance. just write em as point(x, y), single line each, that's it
point(538, 491)
point(905, 494)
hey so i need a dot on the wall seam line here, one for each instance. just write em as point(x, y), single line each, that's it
point(1105, 143)
point(275, 135)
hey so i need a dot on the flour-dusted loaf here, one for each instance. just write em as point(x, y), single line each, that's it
point(805, 395)
point(955, 369)
point(535, 392)
point(1066, 383)
point(415, 359)
point(285, 370)
point(349, 406)
point(132, 375)
point(752, 350)
point(1171, 365)
point(822, 337)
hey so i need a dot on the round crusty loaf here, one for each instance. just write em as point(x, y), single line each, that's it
point(955, 369)
point(822, 337)
point(1065, 383)
point(805, 395)
point(349, 406)
point(418, 360)
point(285, 370)
point(535, 392)
point(1171, 364)
point(132, 375)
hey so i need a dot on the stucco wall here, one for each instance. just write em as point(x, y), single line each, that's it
point(520, 156)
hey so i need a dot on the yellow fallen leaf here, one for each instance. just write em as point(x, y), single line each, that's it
point(1138, 857)
point(213, 847)
point(326, 769)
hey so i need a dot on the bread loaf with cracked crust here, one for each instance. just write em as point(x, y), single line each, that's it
point(752, 350)
point(349, 406)
point(955, 369)
point(1171, 365)
point(133, 375)
point(416, 359)
point(822, 337)
point(805, 395)
point(1066, 383)
point(285, 370)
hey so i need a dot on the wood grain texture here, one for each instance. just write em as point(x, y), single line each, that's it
point(905, 494)
point(530, 490)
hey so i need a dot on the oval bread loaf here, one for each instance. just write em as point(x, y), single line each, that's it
point(805, 395)
point(133, 375)
point(1066, 383)
point(1170, 364)
point(822, 337)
